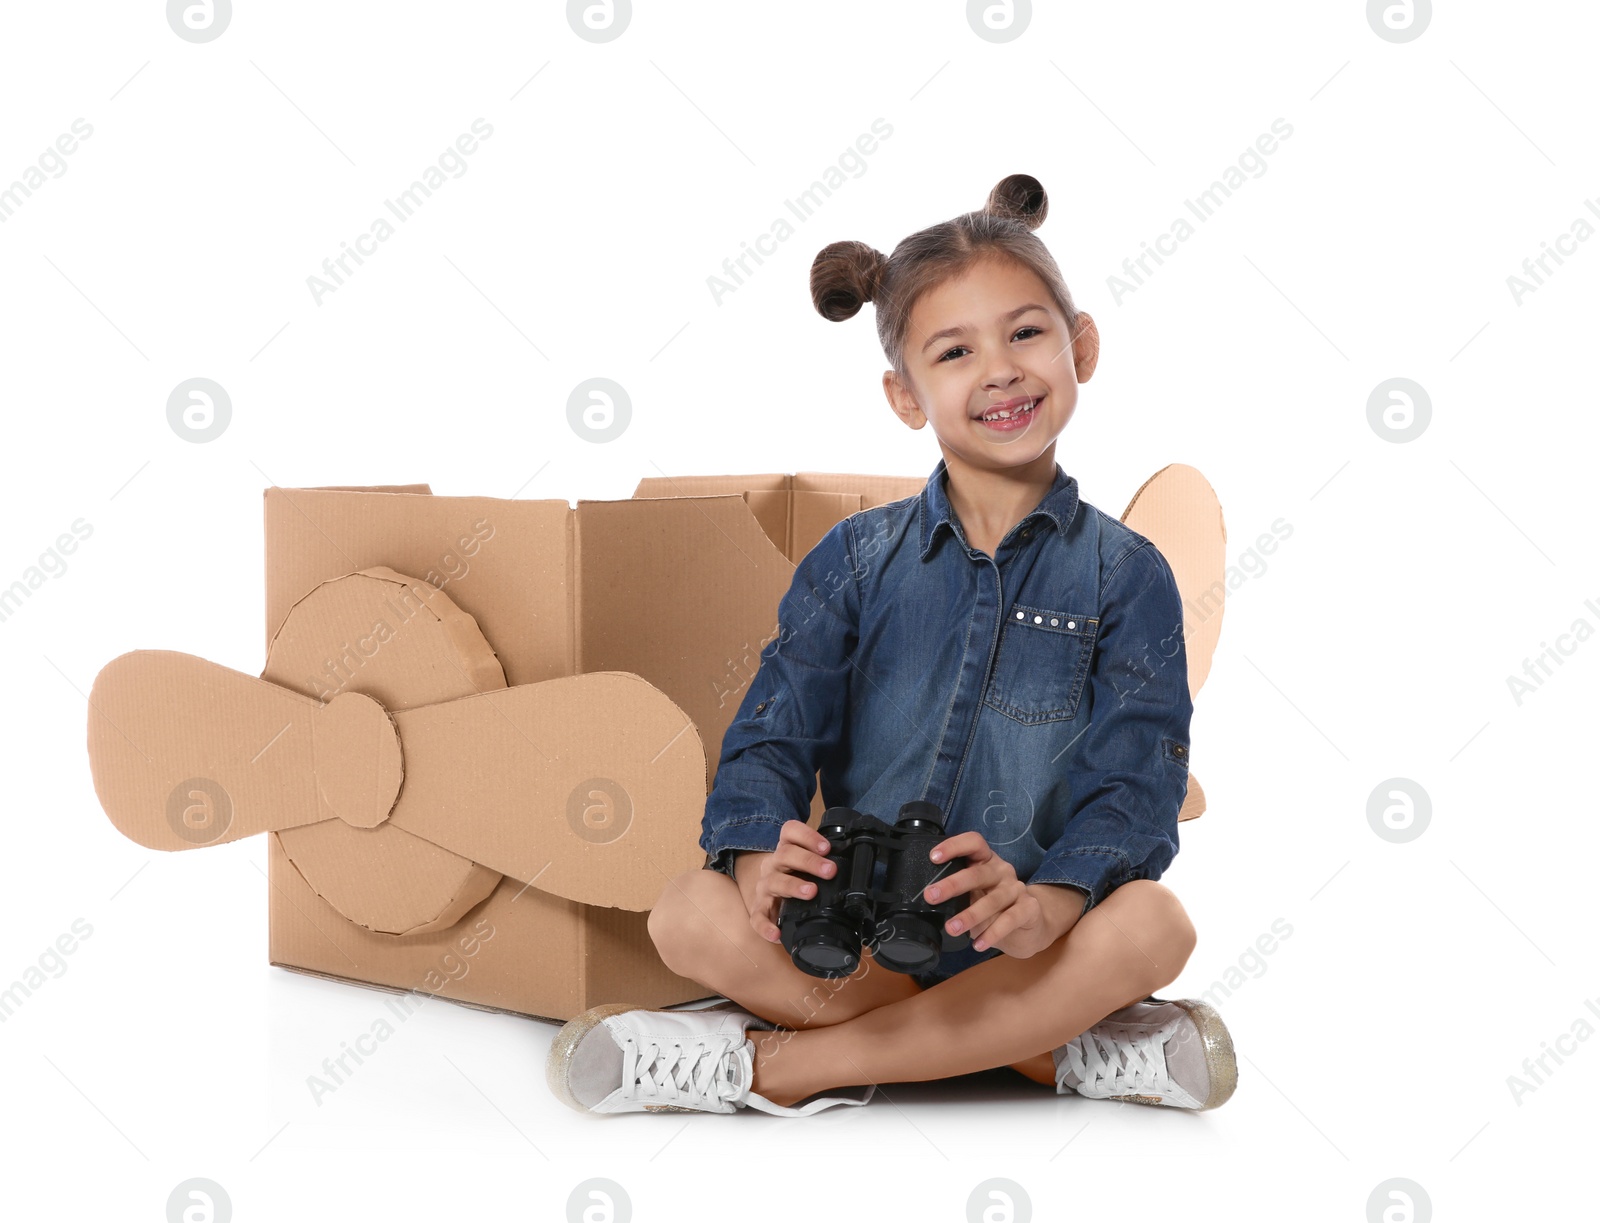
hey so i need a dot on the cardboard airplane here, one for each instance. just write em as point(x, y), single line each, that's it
point(478, 748)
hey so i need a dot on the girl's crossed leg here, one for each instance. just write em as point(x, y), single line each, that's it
point(879, 1026)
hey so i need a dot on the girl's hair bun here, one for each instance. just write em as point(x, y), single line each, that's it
point(1020, 197)
point(845, 276)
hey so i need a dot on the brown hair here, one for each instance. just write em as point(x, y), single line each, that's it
point(845, 275)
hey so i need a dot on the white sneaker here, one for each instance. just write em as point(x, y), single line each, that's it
point(621, 1058)
point(1175, 1053)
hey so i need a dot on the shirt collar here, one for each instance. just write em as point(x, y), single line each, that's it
point(1059, 505)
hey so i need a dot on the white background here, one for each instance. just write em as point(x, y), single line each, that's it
point(1374, 643)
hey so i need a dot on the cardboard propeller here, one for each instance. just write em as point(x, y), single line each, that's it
point(405, 798)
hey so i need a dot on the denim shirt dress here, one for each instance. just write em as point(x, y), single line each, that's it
point(1039, 696)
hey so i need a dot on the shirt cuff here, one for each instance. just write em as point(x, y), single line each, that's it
point(756, 833)
point(1097, 871)
point(1075, 888)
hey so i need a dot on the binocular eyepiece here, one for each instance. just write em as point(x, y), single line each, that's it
point(824, 933)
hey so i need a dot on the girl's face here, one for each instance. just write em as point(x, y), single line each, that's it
point(981, 343)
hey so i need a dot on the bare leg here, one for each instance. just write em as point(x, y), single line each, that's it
point(1041, 1067)
point(702, 931)
point(997, 1013)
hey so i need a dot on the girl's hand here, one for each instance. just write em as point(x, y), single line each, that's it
point(1001, 911)
point(769, 877)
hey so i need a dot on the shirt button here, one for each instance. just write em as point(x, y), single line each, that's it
point(1027, 531)
point(1038, 619)
point(1072, 624)
point(1054, 622)
point(1020, 616)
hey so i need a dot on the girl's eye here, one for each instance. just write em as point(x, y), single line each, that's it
point(963, 347)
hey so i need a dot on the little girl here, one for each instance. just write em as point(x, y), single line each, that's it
point(996, 646)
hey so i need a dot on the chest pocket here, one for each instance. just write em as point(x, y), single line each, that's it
point(1041, 665)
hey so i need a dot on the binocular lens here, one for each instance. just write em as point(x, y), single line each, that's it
point(907, 943)
point(826, 949)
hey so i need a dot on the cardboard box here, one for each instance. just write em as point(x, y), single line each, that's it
point(480, 744)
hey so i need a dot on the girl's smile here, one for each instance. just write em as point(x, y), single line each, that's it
point(1015, 413)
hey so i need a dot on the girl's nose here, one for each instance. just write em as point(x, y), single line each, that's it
point(1002, 378)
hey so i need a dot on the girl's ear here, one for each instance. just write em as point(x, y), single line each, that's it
point(1086, 347)
point(901, 401)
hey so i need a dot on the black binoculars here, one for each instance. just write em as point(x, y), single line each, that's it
point(824, 933)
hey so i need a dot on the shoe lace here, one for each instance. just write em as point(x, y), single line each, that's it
point(692, 1070)
point(1115, 1060)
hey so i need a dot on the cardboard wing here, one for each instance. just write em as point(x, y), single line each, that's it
point(1177, 510)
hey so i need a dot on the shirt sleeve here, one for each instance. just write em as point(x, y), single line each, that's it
point(1134, 758)
point(792, 715)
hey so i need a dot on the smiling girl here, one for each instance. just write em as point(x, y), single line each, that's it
point(1000, 648)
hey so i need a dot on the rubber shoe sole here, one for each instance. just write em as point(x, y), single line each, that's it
point(1222, 1069)
point(573, 1031)
point(559, 1061)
